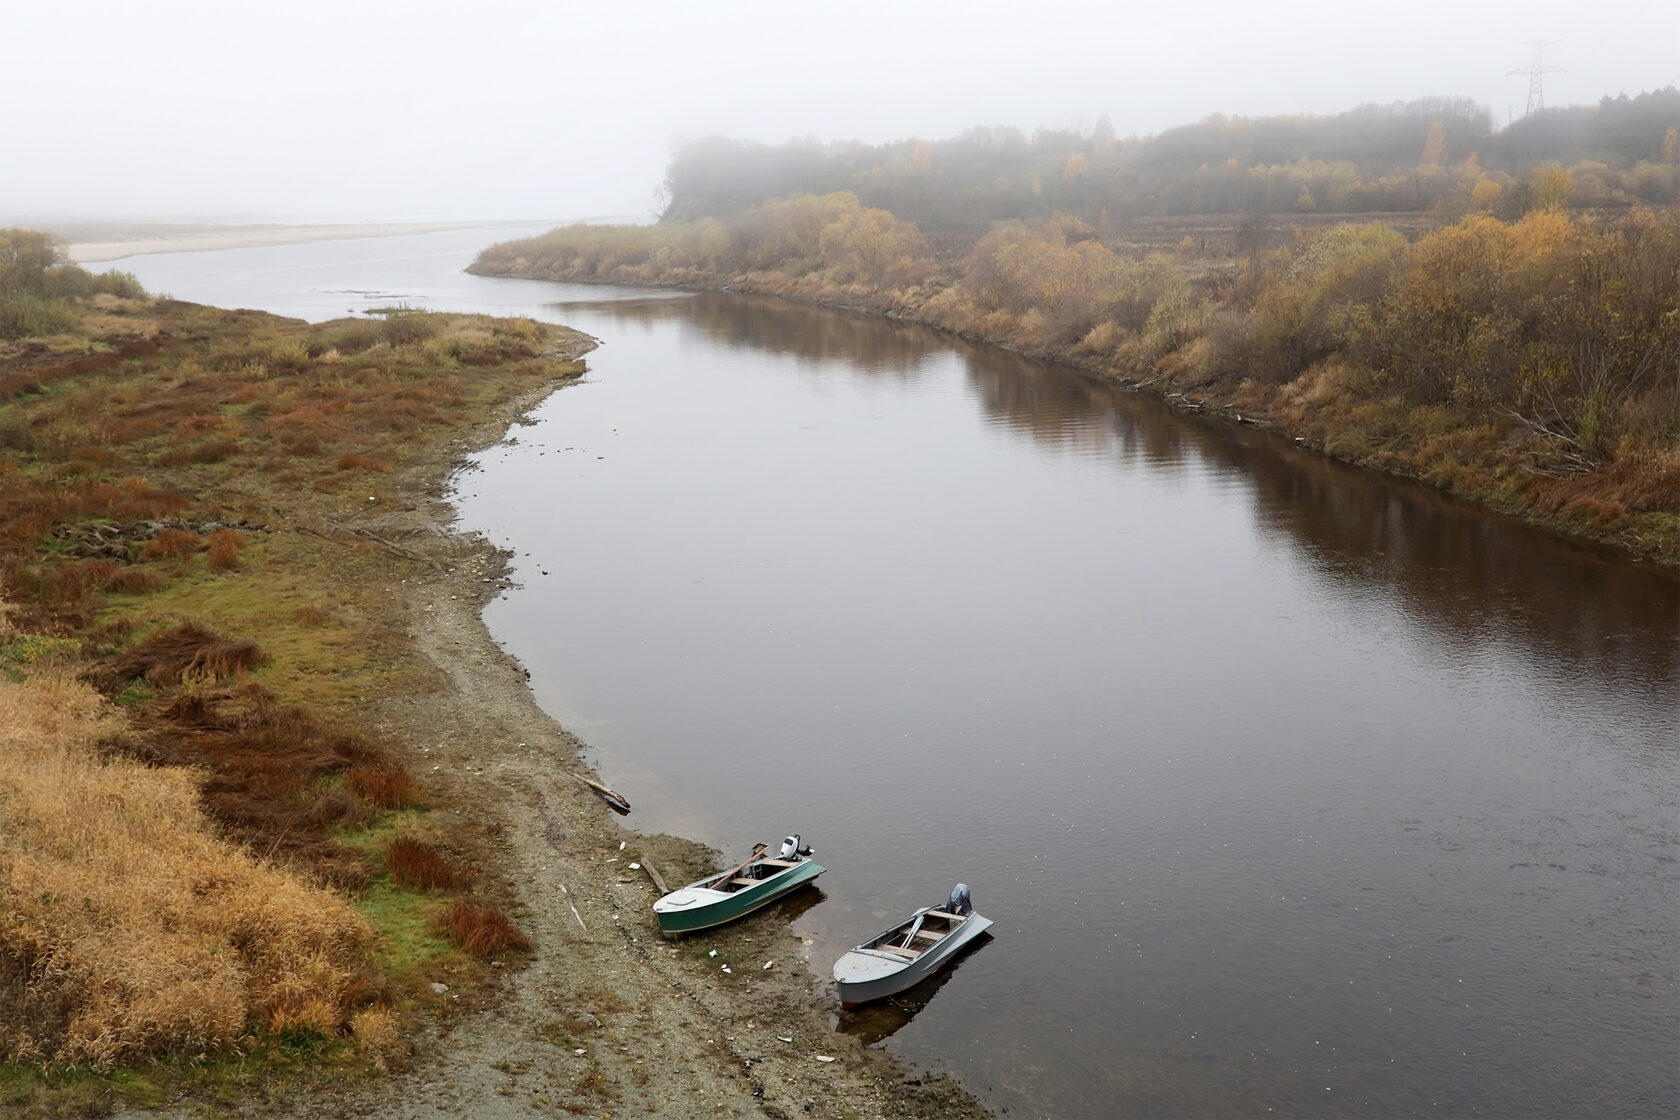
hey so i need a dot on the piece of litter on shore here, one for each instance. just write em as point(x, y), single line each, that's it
point(726, 969)
point(784, 1038)
point(713, 953)
point(635, 867)
point(621, 844)
point(824, 1058)
point(580, 1052)
point(767, 965)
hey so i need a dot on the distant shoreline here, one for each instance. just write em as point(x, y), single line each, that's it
point(90, 244)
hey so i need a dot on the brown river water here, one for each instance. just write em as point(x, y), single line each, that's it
point(1291, 789)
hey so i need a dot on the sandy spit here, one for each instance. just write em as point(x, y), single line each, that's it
point(93, 243)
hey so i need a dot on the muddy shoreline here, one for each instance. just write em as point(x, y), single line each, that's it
point(608, 1018)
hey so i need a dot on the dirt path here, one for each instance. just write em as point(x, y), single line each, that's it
point(608, 1018)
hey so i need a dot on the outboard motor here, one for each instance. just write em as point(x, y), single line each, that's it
point(793, 847)
point(961, 904)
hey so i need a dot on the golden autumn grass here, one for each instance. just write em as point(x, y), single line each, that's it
point(190, 814)
point(128, 927)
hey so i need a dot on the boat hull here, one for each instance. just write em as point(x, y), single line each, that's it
point(697, 907)
point(863, 975)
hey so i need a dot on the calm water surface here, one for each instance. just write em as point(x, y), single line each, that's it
point(1291, 790)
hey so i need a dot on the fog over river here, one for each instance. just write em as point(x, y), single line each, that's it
point(1291, 789)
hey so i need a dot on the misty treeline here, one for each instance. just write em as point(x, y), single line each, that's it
point(39, 289)
point(1416, 156)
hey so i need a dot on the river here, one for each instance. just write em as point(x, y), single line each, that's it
point(1291, 789)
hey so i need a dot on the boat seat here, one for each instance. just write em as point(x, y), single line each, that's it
point(928, 934)
point(910, 954)
point(942, 914)
point(744, 882)
point(779, 862)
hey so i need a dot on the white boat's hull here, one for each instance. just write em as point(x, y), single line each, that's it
point(863, 974)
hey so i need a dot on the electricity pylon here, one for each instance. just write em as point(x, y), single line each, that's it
point(1536, 97)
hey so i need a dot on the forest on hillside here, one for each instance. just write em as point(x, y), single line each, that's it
point(1415, 156)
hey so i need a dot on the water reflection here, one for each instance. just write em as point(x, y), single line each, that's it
point(790, 908)
point(1465, 573)
point(870, 343)
point(880, 1020)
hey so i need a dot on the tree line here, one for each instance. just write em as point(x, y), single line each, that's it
point(1373, 159)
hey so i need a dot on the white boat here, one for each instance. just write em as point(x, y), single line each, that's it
point(909, 952)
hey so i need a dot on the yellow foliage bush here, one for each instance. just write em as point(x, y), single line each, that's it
point(127, 927)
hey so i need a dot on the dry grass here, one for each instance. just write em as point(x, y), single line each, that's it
point(189, 649)
point(384, 784)
point(419, 865)
point(377, 1035)
point(127, 928)
point(171, 544)
point(481, 930)
point(224, 546)
point(270, 771)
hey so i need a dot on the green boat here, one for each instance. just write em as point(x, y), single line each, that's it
point(728, 895)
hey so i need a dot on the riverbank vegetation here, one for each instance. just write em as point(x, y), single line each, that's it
point(213, 871)
point(1510, 345)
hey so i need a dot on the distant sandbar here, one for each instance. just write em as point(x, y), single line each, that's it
point(89, 243)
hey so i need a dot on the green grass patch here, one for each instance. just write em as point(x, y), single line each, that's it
point(407, 945)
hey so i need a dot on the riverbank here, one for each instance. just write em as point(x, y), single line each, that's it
point(608, 1017)
point(351, 578)
point(1489, 360)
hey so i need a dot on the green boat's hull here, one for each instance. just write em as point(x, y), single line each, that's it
point(697, 907)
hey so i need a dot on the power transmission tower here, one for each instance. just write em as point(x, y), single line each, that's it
point(1536, 97)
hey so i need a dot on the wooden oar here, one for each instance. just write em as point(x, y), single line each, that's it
point(758, 851)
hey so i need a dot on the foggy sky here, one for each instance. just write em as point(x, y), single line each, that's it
point(351, 110)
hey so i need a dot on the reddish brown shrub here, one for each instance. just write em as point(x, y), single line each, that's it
point(134, 581)
point(72, 584)
point(198, 425)
point(140, 502)
point(481, 930)
point(419, 865)
point(224, 546)
point(191, 647)
point(383, 784)
point(311, 616)
point(213, 452)
point(360, 462)
point(170, 544)
point(27, 528)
